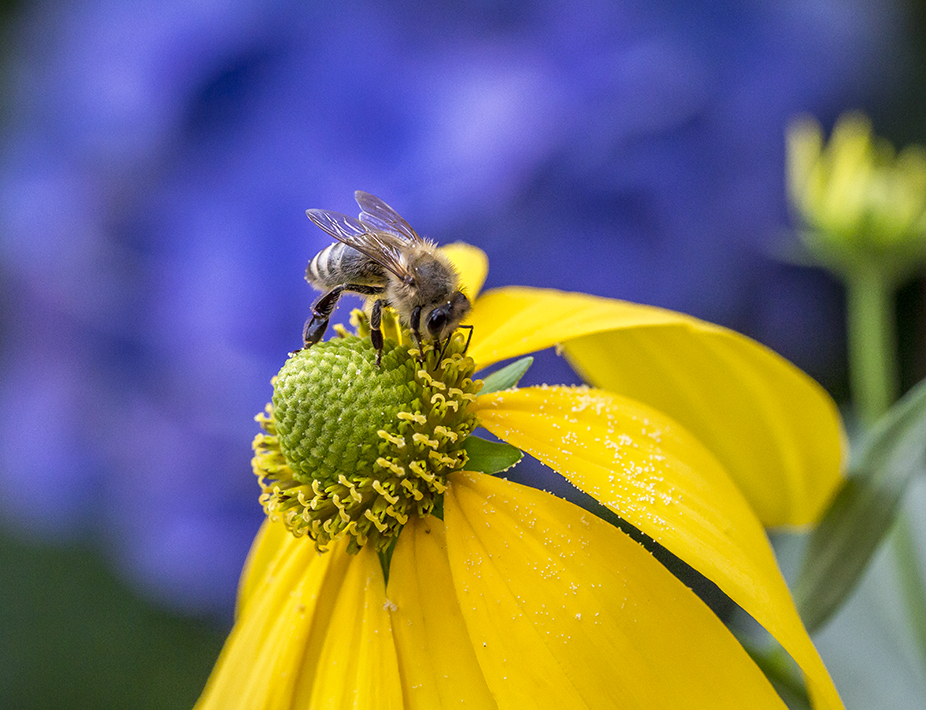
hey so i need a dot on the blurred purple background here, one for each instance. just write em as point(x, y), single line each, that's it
point(158, 158)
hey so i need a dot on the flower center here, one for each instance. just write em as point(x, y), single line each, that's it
point(352, 448)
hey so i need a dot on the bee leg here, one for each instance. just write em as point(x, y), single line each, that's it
point(376, 335)
point(317, 324)
point(415, 324)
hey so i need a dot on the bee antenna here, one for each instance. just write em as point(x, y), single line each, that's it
point(444, 348)
point(468, 337)
point(450, 337)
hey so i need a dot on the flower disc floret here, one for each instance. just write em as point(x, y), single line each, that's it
point(352, 448)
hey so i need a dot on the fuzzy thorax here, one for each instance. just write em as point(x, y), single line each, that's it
point(354, 449)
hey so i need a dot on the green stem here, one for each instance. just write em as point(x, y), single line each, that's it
point(872, 343)
point(875, 387)
point(910, 578)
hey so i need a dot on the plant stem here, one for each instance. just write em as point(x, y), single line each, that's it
point(872, 343)
point(875, 387)
point(910, 578)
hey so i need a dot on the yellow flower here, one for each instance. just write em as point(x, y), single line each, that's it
point(517, 599)
point(864, 207)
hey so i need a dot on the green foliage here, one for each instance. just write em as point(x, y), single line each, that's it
point(72, 636)
point(864, 510)
point(507, 377)
point(490, 456)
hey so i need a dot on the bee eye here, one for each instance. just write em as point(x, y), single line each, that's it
point(436, 322)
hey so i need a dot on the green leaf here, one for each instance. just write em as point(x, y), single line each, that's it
point(507, 377)
point(781, 671)
point(864, 510)
point(489, 456)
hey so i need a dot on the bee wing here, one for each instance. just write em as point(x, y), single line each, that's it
point(381, 217)
point(384, 248)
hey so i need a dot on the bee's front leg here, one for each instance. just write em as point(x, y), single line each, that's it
point(376, 335)
point(415, 325)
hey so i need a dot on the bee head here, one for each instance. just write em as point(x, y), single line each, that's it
point(445, 318)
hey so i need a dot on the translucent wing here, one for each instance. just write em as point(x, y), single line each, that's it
point(383, 247)
point(381, 217)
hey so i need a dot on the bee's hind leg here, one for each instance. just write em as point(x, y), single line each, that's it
point(315, 327)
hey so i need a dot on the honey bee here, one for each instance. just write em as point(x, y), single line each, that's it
point(380, 256)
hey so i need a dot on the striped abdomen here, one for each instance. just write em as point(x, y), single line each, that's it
point(339, 264)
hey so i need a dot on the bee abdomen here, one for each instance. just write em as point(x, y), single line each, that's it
point(339, 264)
point(324, 267)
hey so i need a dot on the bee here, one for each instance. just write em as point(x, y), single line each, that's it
point(380, 256)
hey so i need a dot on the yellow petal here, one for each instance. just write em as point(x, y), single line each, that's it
point(776, 431)
point(266, 548)
point(566, 611)
point(471, 263)
point(439, 666)
point(256, 667)
point(658, 477)
point(312, 632)
point(805, 145)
